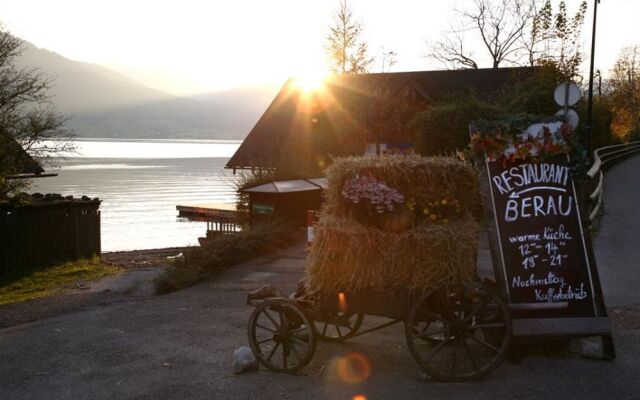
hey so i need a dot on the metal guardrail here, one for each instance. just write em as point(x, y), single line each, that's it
point(603, 158)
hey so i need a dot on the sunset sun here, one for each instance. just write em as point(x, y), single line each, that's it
point(311, 80)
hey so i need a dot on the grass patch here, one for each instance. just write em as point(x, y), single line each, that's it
point(220, 253)
point(53, 280)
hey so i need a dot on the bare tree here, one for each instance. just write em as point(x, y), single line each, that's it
point(514, 32)
point(451, 51)
point(347, 52)
point(27, 115)
point(499, 25)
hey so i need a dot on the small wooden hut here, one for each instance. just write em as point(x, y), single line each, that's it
point(288, 200)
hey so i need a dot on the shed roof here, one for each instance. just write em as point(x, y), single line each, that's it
point(283, 130)
point(290, 186)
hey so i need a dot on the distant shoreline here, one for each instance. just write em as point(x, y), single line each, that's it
point(150, 148)
point(148, 258)
point(158, 140)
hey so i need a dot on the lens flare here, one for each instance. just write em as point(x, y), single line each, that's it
point(311, 81)
point(342, 302)
point(354, 368)
point(359, 397)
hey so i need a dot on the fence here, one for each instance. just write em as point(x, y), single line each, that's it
point(48, 232)
point(603, 158)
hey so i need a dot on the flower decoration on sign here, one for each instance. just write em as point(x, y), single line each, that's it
point(521, 139)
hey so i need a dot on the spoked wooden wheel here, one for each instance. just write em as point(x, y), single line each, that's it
point(459, 334)
point(281, 336)
point(339, 326)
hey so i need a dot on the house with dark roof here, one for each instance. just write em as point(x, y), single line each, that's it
point(300, 131)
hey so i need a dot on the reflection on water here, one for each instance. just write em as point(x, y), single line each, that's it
point(141, 190)
point(136, 148)
point(110, 166)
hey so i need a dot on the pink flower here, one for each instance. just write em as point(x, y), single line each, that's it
point(377, 193)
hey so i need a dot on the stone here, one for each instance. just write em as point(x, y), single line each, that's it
point(244, 360)
point(591, 349)
point(264, 292)
point(177, 256)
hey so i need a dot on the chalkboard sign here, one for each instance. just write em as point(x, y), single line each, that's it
point(544, 255)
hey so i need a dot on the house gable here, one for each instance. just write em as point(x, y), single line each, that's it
point(286, 134)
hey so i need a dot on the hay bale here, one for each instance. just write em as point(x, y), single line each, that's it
point(412, 175)
point(349, 256)
point(355, 251)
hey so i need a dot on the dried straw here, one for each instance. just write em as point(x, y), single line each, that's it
point(412, 175)
point(349, 256)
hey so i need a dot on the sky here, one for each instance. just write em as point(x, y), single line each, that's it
point(194, 46)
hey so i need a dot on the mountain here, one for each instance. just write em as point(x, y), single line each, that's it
point(105, 103)
point(84, 87)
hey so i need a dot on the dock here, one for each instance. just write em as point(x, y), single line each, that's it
point(220, 217)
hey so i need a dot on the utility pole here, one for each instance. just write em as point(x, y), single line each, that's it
point(590, 102)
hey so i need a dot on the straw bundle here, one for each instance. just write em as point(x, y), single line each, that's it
point(412, 175)
point(346, 255)
point(352, 254)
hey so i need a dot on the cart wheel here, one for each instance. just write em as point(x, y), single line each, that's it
point(422, 328)
point(337, 327)
point(459, 334)
point(281, 336)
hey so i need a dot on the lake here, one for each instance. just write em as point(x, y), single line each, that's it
point(140, 182)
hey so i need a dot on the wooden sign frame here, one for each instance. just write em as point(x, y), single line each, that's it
point(545, 319)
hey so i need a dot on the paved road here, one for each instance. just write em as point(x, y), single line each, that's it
point(617, 242)
point(180, 345)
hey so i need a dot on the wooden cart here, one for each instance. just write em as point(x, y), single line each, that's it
point(455, 333)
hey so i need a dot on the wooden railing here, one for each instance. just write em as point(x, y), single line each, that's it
point(603, 158)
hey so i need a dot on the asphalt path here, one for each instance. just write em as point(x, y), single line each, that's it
point(180, 346)
point(617, 241)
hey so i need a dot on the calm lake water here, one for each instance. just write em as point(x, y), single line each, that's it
point(140, 184)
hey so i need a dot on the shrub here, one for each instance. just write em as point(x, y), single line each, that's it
point(245, 181)
point(601, 132)
point(532, 96)
point(633, 135)
point(219, 253)
point(444, 127)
